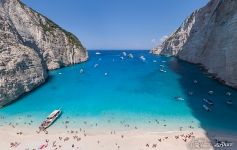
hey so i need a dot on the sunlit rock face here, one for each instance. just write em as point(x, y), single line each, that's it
point(31, 44)
point(208, 37)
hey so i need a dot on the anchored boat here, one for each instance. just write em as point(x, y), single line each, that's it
point(210, 102)
point(229, 102)
point(206, 107)
point(50, 119)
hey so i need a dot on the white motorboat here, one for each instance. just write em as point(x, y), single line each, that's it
point(179, 98)
point(210, 102)
point(81, 71)
point(211, 92)
point(143, 58)
point(206, 107)
point(162, 66)
point(96, 65)
point(229, 102)
point(228, 93)
point(124, 54)
point(162, 70)
point(130, 55)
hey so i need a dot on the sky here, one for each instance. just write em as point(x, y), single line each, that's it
point(118, 24)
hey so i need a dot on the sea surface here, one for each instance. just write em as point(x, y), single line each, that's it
point(114, 91)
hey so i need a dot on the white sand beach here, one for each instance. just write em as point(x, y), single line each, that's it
point(20, 138)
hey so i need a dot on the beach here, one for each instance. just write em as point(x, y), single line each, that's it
point(87, 139)
point(19, 137)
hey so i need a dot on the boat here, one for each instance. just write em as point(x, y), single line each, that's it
point(130, 55)
point(143, 58)
point(81, 71)
point(229, 102)
point(195, 81)
point(50, 120)
point(162, 66)
point(211, 92)
point(124, 54)
point(97, 53)
point(206, 107)
point(210, 102)
point(179, 98)
point(228, 93)
point(96, 65)
point(162, 70)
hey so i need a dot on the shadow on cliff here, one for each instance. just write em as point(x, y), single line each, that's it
point(221, 120)
point(49, 78)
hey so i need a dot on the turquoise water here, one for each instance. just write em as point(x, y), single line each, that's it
point(133, 90)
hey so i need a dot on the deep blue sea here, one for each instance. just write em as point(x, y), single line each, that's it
point(111, 89)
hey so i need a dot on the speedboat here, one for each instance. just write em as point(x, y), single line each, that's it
point(211, 92)
point(162, 66)
point(229, 102)
point(210, 102)
point(124, 54)
point(143, 58)
point(228, 93)
point(162, 70)
point(206, 107)
point(179, 98)
point(130, 55)
point(81, 71)
point(96, 65)
point(50, 120)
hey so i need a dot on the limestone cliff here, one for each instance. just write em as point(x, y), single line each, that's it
point(31, 44)
point(208, 37)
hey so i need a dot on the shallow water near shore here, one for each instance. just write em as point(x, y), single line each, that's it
point(118, 92)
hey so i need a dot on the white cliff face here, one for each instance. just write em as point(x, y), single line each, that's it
point(31, 44)
point(208, 37)
point(57, 46)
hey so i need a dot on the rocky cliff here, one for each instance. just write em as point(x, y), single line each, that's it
point(31, 44)
point(208, 37)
